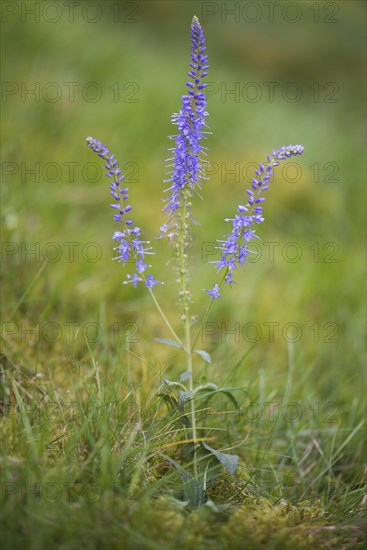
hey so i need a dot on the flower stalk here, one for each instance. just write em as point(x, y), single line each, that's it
point(185, 183)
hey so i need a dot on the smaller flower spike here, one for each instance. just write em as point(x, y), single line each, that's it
point(234, 249)
point(130, 248)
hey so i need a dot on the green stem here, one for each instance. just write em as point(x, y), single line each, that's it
point(185, 300)
point(183, 244)
point(191, 388)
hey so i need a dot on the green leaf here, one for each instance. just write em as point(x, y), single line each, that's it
point(229, 396)
point(167, 385)
point(192, 488)
point(229, 462)
point(204, 355)
point(209, 386)
point(168, 342)
point(183, 396)
point(213, 389)
point(184, 376)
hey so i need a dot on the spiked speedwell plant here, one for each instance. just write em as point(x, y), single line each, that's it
point(186, 174)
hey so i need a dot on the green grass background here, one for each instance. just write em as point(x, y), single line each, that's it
point(148, 45)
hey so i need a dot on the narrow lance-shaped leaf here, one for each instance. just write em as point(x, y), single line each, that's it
point(229, 462)
point(168, 342)
point(192, 488)
point(184, 376)
point(182, 398)
point(204, 355)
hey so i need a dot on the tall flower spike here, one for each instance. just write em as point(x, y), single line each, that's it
point(130, 248)
point(234, 249)
point(186, 164)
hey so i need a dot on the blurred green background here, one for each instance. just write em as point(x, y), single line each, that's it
point(135, 56)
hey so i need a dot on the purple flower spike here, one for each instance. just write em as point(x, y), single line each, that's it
point(234, 249)
point(129, 247)
point(186, 164)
